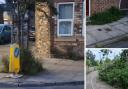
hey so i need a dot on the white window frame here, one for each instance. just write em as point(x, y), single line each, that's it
point(62, 20)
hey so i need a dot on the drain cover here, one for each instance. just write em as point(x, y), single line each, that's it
point(99, 29)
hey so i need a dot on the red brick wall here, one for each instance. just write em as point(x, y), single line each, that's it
point(63, 42)
point(101, 5)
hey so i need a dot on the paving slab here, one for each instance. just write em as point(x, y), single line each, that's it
point(106, 34)
point(99, 35)
point(90, 40)
point(121, 27)
point(124, 19)
point(114, 23)
point(114, 32)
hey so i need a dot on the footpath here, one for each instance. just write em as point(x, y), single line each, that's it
point(101, 35)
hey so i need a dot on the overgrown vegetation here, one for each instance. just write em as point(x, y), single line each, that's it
point(91, 63)
point(90, 59)
point(107, 16)
point(115, 72)
point(69, 52)
point(29, 65)
point(4, 64)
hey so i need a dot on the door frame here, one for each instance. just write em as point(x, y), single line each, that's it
point(120, 5)
point(89, 14)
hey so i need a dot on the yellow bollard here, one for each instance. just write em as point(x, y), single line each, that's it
point(14, 63)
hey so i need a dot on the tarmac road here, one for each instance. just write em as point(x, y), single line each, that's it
point(51, 87)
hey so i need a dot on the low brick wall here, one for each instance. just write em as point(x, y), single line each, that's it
point(67, 48)
point(101, 5)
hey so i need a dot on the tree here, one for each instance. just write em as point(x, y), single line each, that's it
point(44, 11)
point(124, 55)
point(105, 52)
point(90, 59)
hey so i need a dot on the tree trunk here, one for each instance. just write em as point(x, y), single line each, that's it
point(42, 27)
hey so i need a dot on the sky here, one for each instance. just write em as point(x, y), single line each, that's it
point(2, 1)
point(115, 51)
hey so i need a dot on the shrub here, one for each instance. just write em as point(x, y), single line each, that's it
point(29, 65)
point(115, 74)
point(58, 53)
point(5, 64)
point(68, 52)
point(107, 16)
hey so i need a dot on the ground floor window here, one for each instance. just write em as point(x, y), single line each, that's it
point(65, 19)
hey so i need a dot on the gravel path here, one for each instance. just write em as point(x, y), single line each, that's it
point(92, 82)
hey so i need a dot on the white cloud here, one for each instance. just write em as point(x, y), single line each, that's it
point(2, 1)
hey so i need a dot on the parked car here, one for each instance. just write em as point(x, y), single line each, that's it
point(5, 33)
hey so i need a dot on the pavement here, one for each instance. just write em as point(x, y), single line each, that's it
point(101, 35)
point(92, 82)
point(58, 72)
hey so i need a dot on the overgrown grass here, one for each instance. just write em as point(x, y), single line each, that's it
point(4, 65)
point(29, 65)
point(108, 16)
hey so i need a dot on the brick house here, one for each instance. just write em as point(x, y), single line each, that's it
point(94, 6)
point(61, 34)
point(68, 26)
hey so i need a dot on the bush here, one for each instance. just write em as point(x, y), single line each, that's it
point(69, 52)
point(29, 65)
point(115, 74)
point(5, 64)
point(73, 53)
point(58, 53)
point(107, 16)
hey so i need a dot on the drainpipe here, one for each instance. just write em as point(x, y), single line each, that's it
point(84, 18)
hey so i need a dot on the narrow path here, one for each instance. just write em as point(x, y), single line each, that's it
point(92, 82)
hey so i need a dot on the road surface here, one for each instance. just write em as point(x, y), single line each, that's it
point(92, 82)
point(51, 87)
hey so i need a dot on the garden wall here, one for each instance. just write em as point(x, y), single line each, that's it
point(101, 5)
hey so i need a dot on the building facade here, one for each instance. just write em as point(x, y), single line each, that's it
point(68, 26)
point(94, 6)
